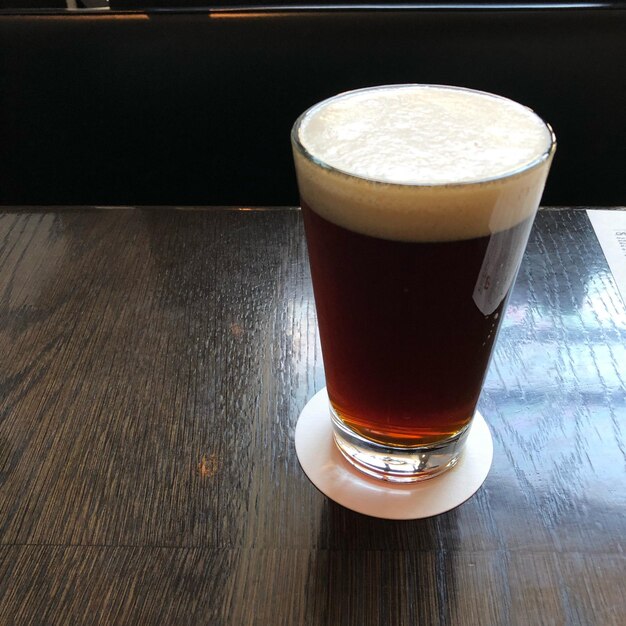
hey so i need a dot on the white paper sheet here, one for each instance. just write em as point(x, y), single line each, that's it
point(610, 227)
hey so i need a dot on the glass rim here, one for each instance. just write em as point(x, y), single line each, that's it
point(538, 161)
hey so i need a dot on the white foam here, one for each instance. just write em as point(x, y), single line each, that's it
point(422, 163)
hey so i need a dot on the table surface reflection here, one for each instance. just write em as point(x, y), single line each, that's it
point(154, 366)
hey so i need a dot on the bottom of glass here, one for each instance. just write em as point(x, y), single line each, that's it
point(398, 465)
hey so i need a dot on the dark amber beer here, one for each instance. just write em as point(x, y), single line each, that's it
point(417, 203)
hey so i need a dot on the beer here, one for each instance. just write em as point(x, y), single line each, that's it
point(417, 203)
point(408, 357)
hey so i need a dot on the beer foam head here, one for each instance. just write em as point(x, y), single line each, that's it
point(422, 163)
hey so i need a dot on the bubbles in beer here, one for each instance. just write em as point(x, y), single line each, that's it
point(419, 135)
point(422, 163)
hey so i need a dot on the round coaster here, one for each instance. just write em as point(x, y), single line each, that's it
point(336, 478)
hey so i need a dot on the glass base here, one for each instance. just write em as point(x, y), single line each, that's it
point(398, 465)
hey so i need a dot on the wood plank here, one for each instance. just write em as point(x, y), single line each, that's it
point(131, 585)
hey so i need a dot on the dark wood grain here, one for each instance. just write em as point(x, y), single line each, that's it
point(154, 366)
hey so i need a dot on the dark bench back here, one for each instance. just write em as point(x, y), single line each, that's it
point(197, 108)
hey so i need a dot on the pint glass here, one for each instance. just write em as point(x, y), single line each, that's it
point(417, 203)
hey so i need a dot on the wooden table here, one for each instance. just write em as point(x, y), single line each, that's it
point(154, 366)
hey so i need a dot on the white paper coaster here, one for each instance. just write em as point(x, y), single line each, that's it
point(336, 478)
